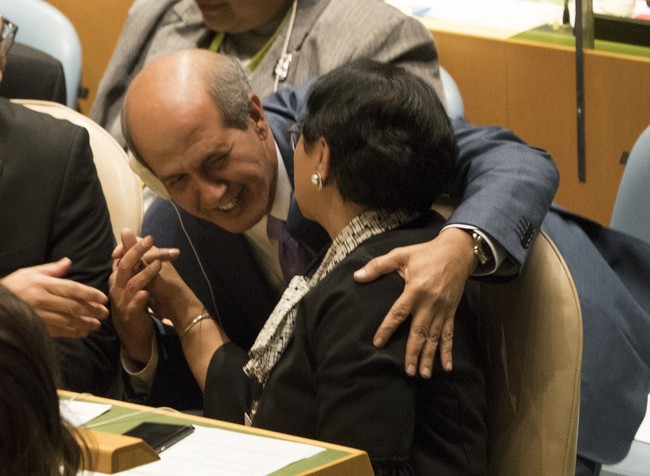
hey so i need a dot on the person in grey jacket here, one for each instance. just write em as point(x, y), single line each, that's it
point(281, 42)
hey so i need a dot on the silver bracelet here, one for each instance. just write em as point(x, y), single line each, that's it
point(201, 317)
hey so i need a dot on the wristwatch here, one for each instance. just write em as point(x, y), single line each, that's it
point(481, 249)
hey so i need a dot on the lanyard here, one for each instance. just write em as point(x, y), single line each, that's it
point(254, 62)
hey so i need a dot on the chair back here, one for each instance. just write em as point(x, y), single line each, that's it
point(43, 27)
point(453, 99)
point(631, 214)
point(121, 186)
point(532, 328)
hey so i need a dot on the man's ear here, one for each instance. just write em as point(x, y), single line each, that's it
point(256, 113)
point(148, 177)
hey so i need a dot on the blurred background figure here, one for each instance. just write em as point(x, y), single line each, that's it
point(280, 42)
point(34, 439)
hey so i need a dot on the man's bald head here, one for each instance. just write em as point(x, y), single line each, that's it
point(175, 86)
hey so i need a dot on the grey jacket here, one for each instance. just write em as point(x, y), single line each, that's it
point(326, 34)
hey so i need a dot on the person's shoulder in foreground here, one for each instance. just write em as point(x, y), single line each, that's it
point(57, 239)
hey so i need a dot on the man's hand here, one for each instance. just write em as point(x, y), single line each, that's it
point(67, 308)
point(435, 274)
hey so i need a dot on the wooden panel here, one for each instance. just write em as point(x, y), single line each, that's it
point(617, 95)
point(478, 66)
point(530, 88)
point(98, 24)
point(542, 105)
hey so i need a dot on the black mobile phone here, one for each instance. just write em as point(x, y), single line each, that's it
point(160, 436)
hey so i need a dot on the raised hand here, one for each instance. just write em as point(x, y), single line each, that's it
point(67, 308)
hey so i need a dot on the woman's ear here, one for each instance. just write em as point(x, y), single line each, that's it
point(325, 159)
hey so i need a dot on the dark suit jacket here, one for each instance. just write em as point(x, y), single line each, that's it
point(53, 207)
point(32, 74)
point(331, 384)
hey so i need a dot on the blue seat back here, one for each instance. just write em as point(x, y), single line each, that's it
point(455, 106)
point(43, 27)
point(631, 213)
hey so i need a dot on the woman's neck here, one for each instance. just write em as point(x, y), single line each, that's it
point(336, 216)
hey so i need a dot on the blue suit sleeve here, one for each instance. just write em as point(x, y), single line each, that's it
point(506, 186)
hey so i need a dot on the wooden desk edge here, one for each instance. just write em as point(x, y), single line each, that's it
point(356, 463)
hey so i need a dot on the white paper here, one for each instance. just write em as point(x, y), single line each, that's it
point(643, 433)
point(212, 451)
point(79, 413)
point(508, 16)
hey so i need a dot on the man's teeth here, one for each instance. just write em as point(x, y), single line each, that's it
point(230, 205)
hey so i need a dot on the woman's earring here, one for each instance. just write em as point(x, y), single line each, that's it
point(317, 180)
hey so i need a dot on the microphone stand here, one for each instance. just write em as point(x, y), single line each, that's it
point(584, 33)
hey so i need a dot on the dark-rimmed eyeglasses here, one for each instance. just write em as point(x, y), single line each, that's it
point(8, 34)
point(295, 132)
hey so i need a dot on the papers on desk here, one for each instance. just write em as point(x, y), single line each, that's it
point(207, 451)
point(79, 413)
point(643, 433)
point(211, 451)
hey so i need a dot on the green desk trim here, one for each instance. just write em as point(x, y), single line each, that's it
point(132, 417)
point(561, 38)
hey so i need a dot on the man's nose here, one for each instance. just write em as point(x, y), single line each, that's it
point(211, 192)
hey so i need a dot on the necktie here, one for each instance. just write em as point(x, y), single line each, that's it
point(294, 258)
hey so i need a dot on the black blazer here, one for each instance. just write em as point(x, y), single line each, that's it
point(332, 384)
point(33, 74)
point(52, 207)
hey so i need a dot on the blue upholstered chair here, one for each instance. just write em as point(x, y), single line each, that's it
point(43, 27)
point(631, 213)
point(455, 106)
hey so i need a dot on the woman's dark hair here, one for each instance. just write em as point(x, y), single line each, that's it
point(391, 142)
point(34, 440)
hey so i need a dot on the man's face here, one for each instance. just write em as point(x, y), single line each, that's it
point(217, 173)
point(238, 16)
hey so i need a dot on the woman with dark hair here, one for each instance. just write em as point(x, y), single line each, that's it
point(34, 440)
point(375, 151)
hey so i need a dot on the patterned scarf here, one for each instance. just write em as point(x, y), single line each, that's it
point(276, 333)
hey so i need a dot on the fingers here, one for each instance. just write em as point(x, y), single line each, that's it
point(446, 344)
point(56, 269)
point(379, 266)
point(425, 343)
point(430, 333)
point(396, 316)
point(161, 254)
point(130, 263)
point(77, 298)
point(59, 325)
